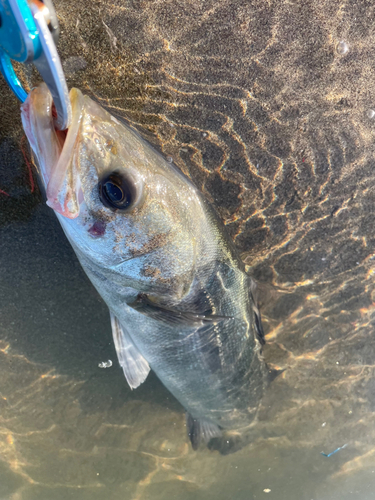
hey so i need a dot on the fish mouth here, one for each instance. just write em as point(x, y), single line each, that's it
point(54, 149)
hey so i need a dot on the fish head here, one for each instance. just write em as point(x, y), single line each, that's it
point(123, 207)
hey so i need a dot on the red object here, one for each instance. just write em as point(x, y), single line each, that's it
point(28, 164)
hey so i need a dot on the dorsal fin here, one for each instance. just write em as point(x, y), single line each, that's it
point(257, 317)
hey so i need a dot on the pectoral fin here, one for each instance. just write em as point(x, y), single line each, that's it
point(144, 305)
point(131, 360)
point(201, 430)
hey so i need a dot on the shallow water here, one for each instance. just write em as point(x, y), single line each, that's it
point(267, 106)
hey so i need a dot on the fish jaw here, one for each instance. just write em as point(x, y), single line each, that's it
point(54, 150)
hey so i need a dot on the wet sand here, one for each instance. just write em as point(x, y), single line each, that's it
point(260, 105)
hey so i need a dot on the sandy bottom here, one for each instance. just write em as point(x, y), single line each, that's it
point(69, 429)
point(269, 107)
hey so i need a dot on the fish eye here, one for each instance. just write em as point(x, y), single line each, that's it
point(117, 191)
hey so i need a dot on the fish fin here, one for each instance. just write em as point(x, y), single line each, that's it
point(258, 325)
point(173, 316)
point(201, 430)
point(131, 360)
point(258, 319)
point(273, 373)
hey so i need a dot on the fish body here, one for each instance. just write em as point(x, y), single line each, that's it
point(180, 300)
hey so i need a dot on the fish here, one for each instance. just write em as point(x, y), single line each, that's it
point(180, 300)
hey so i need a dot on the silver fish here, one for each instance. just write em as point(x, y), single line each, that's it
point(180, 300)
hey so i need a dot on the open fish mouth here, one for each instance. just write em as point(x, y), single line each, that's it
point(54, 149)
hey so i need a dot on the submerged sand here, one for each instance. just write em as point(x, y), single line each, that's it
point(270, 108)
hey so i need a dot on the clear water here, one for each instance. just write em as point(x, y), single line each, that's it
point(268, 107)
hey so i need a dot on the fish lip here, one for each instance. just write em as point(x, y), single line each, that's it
point(36, 116)
point(56, 168)
point(62, 194)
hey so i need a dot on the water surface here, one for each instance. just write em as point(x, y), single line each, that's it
point(267, 106)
